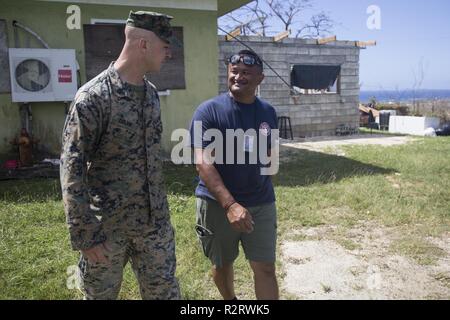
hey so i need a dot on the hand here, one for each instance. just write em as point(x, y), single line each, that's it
point(97, 254)
point(240, 219)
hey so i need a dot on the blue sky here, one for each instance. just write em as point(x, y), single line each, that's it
point(411, 31)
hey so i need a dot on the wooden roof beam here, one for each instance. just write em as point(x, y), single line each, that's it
point(281, 35)
point(236, 32)
point(363, 44)
point(326, 40)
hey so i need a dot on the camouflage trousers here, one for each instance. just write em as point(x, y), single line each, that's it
point(152, 257)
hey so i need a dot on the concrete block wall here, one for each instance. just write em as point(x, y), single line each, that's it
point(311, 115)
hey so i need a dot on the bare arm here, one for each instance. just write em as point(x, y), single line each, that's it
point(238, 216)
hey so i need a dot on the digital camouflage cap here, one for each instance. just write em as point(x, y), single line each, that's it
point(153, 21)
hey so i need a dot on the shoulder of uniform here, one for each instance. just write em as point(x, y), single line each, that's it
point(94, 90)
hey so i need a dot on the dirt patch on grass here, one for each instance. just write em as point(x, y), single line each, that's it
point(320, 267)
point(334, 144)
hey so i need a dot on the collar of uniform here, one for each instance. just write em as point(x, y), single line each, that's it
point(118, 85)
point(123, 90)
point(150, 89)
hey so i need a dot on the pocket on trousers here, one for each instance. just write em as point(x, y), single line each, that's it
point(83, 267)
point(206, 238)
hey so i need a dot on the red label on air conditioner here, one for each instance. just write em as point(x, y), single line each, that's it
point(64, 75)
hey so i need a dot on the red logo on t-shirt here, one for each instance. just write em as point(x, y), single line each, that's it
point(264, 128)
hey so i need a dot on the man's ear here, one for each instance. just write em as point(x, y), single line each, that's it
point(143, 44)
point(262, 76)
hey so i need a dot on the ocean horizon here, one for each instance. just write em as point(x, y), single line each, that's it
point(406, 95)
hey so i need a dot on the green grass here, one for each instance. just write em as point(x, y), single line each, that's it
point(417, 248)
point(406, 187)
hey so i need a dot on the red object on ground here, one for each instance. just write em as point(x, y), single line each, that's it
point(11, 164)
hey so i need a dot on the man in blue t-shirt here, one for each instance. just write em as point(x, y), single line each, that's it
point(232, 135)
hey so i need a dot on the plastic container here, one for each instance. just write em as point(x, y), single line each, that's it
point(11, 164)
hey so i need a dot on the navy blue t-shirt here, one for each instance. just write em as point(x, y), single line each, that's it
point(244, 181)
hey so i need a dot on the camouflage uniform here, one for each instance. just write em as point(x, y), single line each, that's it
point(113, 189)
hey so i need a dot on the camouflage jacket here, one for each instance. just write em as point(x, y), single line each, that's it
point(111, 168)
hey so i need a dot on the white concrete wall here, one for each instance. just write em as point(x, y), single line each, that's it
point(412, 125)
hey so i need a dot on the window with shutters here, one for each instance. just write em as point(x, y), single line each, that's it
point(103, 44)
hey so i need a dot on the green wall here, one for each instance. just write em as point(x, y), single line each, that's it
point(49, 21)
point(9, 126)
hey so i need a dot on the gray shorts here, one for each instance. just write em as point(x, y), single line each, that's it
point(220, 242)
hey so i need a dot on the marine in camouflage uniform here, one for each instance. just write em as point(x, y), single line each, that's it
point(113, 188)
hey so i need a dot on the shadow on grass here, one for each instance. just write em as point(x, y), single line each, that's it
point(179, 180)
point(30, 190)
point(306, 167)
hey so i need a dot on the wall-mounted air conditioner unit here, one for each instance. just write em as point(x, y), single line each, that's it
point(42, 74)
